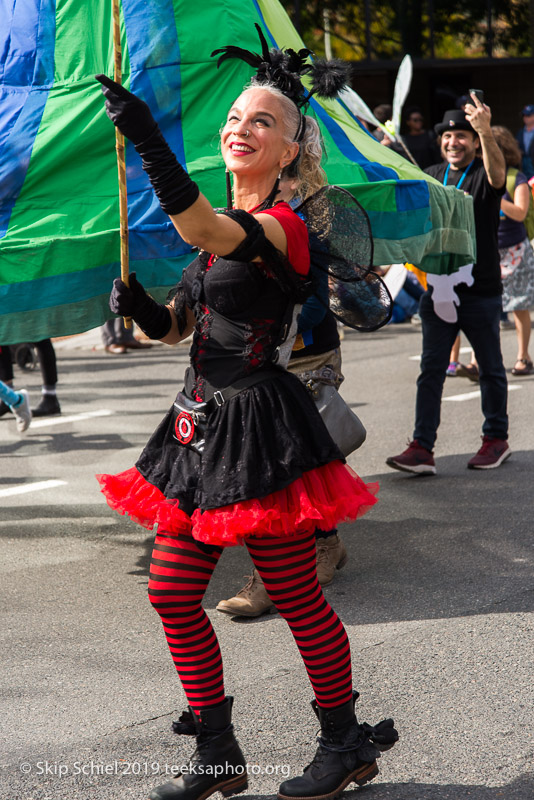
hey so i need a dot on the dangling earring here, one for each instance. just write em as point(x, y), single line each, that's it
point(274, 191)
point(229, 200)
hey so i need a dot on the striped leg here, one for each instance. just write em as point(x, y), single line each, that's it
point(179, 575)
point(287, 568)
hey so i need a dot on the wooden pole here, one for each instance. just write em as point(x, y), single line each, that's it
point(121, 160)
point(401, 142)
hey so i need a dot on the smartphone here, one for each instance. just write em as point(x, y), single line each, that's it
point(479, 93)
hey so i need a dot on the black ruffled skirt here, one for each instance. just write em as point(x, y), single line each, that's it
point(269, 468)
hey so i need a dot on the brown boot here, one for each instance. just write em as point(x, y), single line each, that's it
point(331, 555)
point(251, 601)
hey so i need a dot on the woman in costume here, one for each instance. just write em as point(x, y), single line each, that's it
point(515, 249)
point(243, 456)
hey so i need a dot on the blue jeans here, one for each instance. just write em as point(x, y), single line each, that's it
point(409, 304)
point(478, 318)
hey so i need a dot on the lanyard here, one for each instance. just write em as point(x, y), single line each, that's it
point(466, 170)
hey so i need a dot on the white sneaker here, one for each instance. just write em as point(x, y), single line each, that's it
point(22, 412)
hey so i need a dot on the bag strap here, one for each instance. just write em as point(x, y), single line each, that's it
point(221, 396)
point(511, 177)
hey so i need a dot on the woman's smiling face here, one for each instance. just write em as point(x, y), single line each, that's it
point(253, 141)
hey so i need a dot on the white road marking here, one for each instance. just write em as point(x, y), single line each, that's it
point(31, 487)
point(458, 398)
point(44, 423)
point(462, 350)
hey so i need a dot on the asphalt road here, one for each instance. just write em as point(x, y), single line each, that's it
point(437, 597)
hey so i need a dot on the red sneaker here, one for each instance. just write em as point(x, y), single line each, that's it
point(416, 459)
point(492, 454)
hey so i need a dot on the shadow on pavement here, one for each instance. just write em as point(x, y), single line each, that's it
point(520, 789)
point(457, 544)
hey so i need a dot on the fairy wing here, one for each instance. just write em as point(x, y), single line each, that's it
point(341, 245)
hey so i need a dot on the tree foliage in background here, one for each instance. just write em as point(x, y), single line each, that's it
point(403, 26)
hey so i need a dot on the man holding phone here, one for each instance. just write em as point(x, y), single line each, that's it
point(476, 305)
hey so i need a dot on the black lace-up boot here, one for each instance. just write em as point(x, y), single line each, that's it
point(347, 753)
point(217, 764)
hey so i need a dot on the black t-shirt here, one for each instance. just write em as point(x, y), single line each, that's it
point(486, 205)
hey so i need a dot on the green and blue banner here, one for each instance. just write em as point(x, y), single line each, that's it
point(59, 206)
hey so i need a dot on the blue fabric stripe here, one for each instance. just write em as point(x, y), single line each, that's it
point(411, 195)
point(26, 76)
point(74, 287)
point(264, 24)
point(373, 170)
point(154, 54)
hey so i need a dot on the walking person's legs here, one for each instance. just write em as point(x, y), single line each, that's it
point(49, 404)
point(438, 339)
point(454, 358)
point(18, 402)
point(111, 336)
point(480, 320)
point(523, 325)
point(6, 374)
point(253, 601)
point(180, 571)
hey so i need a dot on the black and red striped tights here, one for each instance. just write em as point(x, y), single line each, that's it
point(179, 575)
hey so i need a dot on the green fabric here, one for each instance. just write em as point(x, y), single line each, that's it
point(60, 252)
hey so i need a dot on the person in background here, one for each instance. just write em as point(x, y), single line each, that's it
point(49, 404)
point(382, 112)
point(525, 140)
point(517, 258)
point(118, 339)
point(420, 142)
point(479, 293)
point(457, 369)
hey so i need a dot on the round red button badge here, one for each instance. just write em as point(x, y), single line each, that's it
point(184, 427)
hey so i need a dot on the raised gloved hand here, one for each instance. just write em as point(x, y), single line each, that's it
point(128, 113)
point(153, 318)
point(174, 188)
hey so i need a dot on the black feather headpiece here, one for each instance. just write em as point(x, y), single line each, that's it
point(284, 69)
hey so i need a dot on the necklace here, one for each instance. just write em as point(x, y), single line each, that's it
point(462, 179)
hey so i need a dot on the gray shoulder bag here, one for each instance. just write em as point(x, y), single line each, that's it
point(344, 426)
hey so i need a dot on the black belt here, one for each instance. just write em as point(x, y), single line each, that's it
point(221, 396)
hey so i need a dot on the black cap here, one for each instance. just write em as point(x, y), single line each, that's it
point(454, 119)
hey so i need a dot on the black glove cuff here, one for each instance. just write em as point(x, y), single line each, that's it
point(133, 301)
point(153, 318)
point(174, 188)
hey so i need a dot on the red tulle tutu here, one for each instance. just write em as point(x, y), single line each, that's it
point(321, 498)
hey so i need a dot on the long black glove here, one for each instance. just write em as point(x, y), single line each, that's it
point(174, 188)
point(132, 301)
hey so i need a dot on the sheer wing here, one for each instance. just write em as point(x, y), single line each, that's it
point(341, 244)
